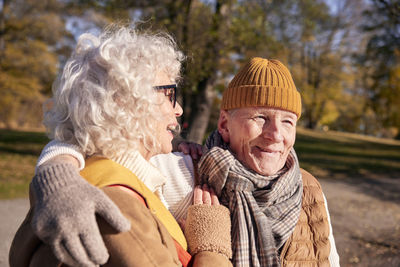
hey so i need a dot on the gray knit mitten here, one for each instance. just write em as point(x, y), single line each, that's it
point(208, 228)
point(64, 215)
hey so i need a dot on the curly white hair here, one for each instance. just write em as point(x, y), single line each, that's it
point(104, 101)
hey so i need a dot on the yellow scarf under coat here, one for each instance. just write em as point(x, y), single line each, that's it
point(102, 172)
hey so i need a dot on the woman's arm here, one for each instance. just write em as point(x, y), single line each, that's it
point(61, 217)
point(208, 229)
point(54, 149)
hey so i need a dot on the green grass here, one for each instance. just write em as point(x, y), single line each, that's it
point(18, 154)
point(331, 154)
point(342, 155)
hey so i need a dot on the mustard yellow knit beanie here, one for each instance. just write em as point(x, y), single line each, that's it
point(263, 83)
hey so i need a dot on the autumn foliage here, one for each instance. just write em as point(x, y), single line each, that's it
point(344, 55)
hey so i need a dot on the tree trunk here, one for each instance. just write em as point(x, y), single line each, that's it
point(202, 102)
point(2, 29)
point(200, 114)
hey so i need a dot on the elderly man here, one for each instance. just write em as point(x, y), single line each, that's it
point(279, 213)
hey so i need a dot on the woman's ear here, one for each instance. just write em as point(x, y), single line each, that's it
point(223, 128)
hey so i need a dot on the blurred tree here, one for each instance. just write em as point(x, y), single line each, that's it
point(316, 39)
point(205, 43)
point(30, 35)
point(218, 36)
point(314, 35)
point(201, 30)
point(381, 61)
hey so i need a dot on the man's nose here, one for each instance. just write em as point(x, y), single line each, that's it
point(273, 131)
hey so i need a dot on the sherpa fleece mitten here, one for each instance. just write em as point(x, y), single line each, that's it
point(208, 228)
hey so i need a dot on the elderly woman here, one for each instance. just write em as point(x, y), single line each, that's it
point(116, 101)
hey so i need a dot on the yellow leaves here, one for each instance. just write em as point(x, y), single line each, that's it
point(394, 77)
point(21, 100)
point(49, 27)
point(330, 113)
point(20, 87)
point(29, 63)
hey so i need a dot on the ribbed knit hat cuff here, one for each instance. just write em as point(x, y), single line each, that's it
point(51, 177)
point(262, 96)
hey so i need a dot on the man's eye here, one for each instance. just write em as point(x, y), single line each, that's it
point(259, 118)
point(290, 122)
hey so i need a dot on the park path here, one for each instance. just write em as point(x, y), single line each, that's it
point(12, 213)
point(365, 215)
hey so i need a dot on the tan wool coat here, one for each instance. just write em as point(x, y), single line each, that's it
point(147, 243)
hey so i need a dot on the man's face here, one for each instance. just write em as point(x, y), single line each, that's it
point(260, 137)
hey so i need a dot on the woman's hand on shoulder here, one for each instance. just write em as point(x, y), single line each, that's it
point(204, 195)
point(208, 224)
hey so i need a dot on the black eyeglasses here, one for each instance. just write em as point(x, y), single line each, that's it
point(169, 90)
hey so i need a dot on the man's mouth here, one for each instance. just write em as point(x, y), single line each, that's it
point(267, 150)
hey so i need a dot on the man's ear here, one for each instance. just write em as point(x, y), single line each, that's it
point(223, 125)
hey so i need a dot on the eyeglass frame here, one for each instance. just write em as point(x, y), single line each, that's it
point(169, 86)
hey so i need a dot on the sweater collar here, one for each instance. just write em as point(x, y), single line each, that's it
point(144, 170)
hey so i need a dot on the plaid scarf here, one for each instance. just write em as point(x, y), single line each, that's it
point(264, 209)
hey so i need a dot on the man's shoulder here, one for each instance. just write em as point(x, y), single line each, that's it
point(308, 178)
point(175, 166)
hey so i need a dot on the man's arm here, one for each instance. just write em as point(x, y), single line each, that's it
point(65, 208)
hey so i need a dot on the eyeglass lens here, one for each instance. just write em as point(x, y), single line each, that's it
point(170, 91)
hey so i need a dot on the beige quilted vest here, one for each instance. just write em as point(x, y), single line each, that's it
point(309, 244)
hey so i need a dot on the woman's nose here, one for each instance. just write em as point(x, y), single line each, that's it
point(178, 110)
